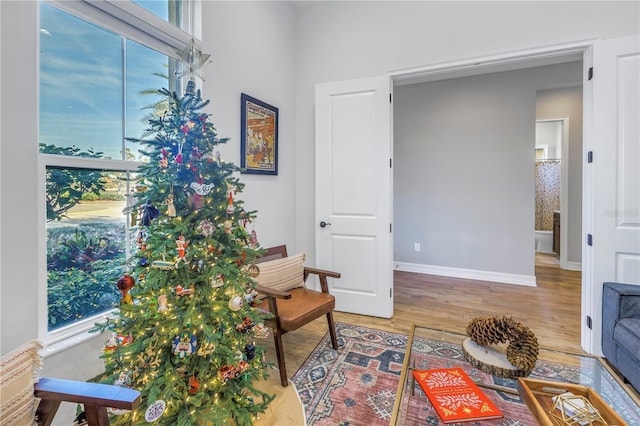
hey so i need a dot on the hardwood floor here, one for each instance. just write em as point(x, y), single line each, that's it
point(551, 310)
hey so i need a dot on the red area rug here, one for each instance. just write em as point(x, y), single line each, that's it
point(357, 384)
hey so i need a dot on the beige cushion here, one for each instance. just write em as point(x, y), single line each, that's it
point(18, 372)
point(282, 274)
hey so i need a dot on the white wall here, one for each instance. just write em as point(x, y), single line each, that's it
point(343, 40)
point(464, 171)
point(252, 47)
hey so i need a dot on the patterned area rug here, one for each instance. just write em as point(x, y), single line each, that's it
point(357, 384)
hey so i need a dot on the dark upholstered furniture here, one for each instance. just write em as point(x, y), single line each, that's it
point(621, 329)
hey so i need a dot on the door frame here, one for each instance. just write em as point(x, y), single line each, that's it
point(528, 58)
point(564, 187)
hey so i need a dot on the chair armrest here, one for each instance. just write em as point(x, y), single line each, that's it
point(95, 397)
point(322, 274)
point(618, 301)
point(272, 292)
point(87, 393)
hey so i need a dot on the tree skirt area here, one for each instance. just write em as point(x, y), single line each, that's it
point(357, 384)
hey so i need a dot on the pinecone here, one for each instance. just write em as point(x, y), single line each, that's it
point(522, 351)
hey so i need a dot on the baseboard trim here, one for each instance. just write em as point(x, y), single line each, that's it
point(574, 266)
point(470, 274)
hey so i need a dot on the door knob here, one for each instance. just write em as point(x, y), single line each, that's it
point(324, 224)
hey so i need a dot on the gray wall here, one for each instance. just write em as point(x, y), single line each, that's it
point(567, 102)
point(464, 175)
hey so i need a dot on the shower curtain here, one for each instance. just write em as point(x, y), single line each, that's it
point(547, 193)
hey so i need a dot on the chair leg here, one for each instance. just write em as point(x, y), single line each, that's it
point(277, 338)
point(96, 415)
point(332, 330)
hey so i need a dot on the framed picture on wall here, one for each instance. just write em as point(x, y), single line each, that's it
point(259, 136)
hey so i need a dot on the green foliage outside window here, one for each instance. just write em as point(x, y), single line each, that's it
point(83, 263)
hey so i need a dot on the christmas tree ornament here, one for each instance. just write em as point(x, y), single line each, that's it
point(130, 209)
point(164, 159)
point(206, 228)
point(178, 158)
point(184, 344)
point(230, 207)
point(250, 296)
point(194, 385)
point(141, 186)
point(163, 265)
point(195, 201)
point(116, 341)
point(201, 188)
point(250, 351)
point(182, 248)
point(124, 379)
point(236, 303)
point(149, 212)
point(246, 325)
point(260, 331)
point(141, 239)
point(228, 372)
point(162, 304)
point(171, 209)
point(184, 291)
point(253, 239)
point(155, 411)
point(218, 159)
point(206, 349)
point(253, 270)
point(217, 281)
point(227, 224)
point(191, 61)
point(124, 284)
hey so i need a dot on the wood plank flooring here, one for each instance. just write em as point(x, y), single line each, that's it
point(551, 310)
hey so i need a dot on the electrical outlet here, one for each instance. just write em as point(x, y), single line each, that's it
point(416, 247)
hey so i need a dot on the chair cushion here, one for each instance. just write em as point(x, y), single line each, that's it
point(282, 274)
point(304, 306)
point(18, 372)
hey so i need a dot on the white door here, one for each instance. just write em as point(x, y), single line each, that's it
point(614, 175)
point(353, 192)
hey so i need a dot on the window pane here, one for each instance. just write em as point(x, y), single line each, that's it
point(80, 84)
point(146, 71)
point(169, 10)
point(86, 239)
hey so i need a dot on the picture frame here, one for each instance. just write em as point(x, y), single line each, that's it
point(259, 136)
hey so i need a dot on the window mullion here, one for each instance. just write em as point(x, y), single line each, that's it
point(89, 163)
point(130, 20)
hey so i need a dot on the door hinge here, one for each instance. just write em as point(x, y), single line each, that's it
point(390, 163)
point(390, 98)
point(590, 157)
point(390, 231)
point(589, 240)
point(391, 293)
point(589, 322)
point(590, 73)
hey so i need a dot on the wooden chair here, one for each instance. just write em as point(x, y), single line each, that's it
point(20, 393)
point(296, 306)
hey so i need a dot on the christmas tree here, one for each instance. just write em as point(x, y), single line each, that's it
point(184, 335)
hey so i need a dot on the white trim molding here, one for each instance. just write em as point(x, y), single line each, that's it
point(470, 274)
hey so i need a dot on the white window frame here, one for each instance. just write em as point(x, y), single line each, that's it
point(138, 24)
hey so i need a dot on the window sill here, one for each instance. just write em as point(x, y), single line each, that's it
point(70, 336)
